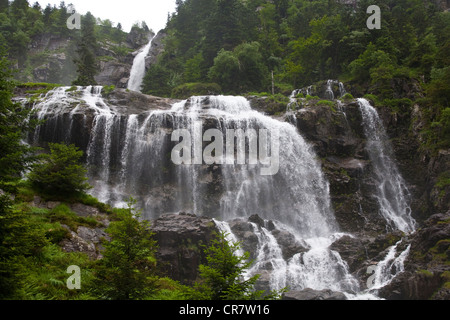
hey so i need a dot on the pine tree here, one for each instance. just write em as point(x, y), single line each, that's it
point(222, 277)
point(15, 157)
point(86, 62)
point(60, 171)
point(127, 270)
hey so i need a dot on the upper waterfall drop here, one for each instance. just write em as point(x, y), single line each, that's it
point(138, 69)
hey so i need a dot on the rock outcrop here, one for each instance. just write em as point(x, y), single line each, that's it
point(427, 271)
point(156, 49)
point(310, 294)
point(244, 230)
point(181, 238)
point(338, 138)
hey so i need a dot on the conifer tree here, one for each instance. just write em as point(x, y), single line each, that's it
point(15, 156)
point(223, 275)
point(60, 171)
point(127, 270)
point(86, 62)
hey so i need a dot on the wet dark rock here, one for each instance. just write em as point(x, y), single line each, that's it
point(310, 294)
point(180, 239)
point(427, 271)
point(245, 233)
point(131, 102)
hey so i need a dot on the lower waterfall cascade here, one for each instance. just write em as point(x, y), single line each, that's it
point(129, 154)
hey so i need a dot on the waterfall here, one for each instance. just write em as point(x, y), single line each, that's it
point(387, 269)
point(329, 93)
point(138, 69)
point(318, 268)
point(131, 153)
point(392, 193)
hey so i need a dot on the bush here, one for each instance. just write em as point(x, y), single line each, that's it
point(222, 276)
point(326, 103)
point(108, 89)
point(60, 172)
point(347, 96)
point(373, 99)
point(64, 215)
point(187, 90)
point(399, 105)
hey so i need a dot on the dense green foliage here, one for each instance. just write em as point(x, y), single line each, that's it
point(127, 270)
point(20, 239)
point(301, 41)
point(60, 172)
point(15, 156)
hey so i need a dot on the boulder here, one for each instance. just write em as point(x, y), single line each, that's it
point(245, 233)
point(86, 240)
point(75, 243)
point(112, 72)
point(181, 238)
point(83, 210)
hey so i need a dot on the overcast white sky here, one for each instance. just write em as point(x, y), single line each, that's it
point(127, 12)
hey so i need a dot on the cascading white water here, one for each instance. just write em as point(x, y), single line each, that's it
point(329, 93)
point(388, 268)
point(104, 119)
point(129, 154)
point(138, 69)
point(392, 193)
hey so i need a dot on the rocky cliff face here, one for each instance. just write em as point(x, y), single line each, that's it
point(51, 59)
point(182, 239)
point(156, 49)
